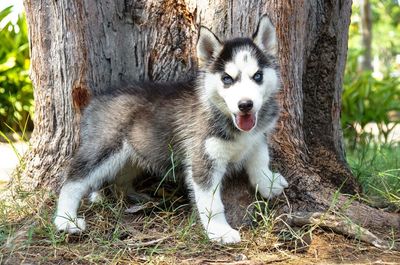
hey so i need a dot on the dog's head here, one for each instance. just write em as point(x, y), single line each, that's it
point(239, 74)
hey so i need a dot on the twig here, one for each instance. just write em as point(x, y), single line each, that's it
point(149, 243)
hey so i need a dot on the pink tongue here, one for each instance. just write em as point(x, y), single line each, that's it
point(246, 122)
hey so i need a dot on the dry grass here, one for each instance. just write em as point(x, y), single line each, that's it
point(166, 232)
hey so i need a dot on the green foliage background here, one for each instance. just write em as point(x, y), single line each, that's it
point(16, 95)
point(367, 97)
point(374, 98)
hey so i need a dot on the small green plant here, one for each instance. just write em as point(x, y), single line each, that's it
point(170, 172)
point(16, 95)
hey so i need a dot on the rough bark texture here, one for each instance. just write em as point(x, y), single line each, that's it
point(313, 49)
point(81, 47)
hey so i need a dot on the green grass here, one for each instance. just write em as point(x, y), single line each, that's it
point(169, 232)
point(164, 234)
point(377, 168)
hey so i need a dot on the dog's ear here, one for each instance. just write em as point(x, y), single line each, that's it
point(265, 37)
point(208, 45)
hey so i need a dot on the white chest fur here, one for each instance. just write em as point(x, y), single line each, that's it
point(232, 151)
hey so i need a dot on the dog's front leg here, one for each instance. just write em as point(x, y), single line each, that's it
point(269, 184)
point(207, 195)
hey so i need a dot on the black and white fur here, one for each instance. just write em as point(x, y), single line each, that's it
point(199, 120)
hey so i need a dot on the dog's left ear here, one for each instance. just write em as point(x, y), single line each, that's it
point(265, 37)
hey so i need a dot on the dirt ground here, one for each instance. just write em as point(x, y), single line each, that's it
point(163, 237)
point(326, 248)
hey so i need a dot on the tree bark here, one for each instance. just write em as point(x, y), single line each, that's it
point(313, 54)
point(79, 48)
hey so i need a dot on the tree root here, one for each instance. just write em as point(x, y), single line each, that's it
point(338, 224)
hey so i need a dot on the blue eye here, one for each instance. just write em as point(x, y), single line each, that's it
point(227, 79)
point(258, 77)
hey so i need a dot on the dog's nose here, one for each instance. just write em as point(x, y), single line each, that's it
point(245, 105)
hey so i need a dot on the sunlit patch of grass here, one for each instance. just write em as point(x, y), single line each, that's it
point(377, 168)
point(20, 136)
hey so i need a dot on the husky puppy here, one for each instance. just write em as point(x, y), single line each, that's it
point(214, 124)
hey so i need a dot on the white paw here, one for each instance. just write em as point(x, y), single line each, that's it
point(71, 226)
point(272, 185)
point(95, 197)
point(224, 235)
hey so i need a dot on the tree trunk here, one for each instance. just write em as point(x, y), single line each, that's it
point(366, 35)
point(81, 47)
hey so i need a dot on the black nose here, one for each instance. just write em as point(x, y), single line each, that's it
point(245, 105)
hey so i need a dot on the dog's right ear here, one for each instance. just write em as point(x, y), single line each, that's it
point(208, 45)
point(265, 36)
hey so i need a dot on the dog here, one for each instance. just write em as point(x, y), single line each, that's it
point(215, 123)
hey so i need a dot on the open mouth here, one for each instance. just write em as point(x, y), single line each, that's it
point(245, 121)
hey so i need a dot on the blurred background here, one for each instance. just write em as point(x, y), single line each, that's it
point(16, 96)
point(371, 100)
point(370, 103)
point(371, 84)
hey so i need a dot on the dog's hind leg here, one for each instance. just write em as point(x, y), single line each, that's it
point(123, 185)
point(86, 175)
